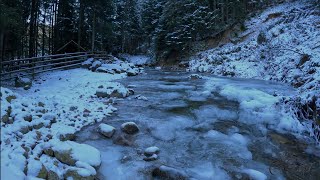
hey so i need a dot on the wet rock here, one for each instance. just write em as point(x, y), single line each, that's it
point(22, 82)
point(123, 140)
point(151, 158)
point(106, 130)
point(79, 173)
point(169, 173)
point(130, 128)
point(151, 151)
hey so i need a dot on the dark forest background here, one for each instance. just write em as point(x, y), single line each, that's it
point(39, 27)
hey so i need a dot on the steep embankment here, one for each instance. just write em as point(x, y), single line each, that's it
point(280, 44)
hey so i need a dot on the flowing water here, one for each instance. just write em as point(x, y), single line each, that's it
point(197, 133)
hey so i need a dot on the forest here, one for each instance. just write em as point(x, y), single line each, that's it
point(159, 28)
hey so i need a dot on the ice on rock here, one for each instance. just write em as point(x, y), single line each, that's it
point(255, 175)
point(208, 171)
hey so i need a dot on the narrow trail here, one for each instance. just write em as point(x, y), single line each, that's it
point(198, 133)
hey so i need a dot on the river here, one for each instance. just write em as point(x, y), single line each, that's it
point(198, 133)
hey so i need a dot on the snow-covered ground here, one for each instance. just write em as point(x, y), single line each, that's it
point(280, 44)
point(35, 122)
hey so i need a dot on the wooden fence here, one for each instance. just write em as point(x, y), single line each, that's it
point(32, 66)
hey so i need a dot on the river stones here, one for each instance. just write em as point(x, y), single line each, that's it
point(106, 130)
point(130, 128)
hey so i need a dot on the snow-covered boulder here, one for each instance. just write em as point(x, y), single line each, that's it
point(130, 128)
point(23, 82)
point(95, 65)
point(70, 153)
point(87, 63)
point(106, 130)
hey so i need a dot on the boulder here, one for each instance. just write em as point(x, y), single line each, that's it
point(23, 82)
point(130, 128)
point(95, 65)
point(70, 152)
point(106, 130)
point(86, 64)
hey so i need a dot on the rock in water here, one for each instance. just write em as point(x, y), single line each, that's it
point(169, 173)
point(130, 128)
point(106, 130)
point(151, 151)
point(151, 158)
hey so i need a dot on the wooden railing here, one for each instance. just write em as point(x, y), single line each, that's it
point(35, 65)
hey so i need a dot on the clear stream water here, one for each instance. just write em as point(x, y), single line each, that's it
point(197, 133)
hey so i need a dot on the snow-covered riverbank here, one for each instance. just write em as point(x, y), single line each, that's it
point(280, 44)
point(34, 122)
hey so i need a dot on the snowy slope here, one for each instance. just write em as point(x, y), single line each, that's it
point(280, 44)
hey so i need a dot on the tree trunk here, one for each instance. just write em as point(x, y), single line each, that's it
point(80, 28)
point(32, 29)
point(93, 30)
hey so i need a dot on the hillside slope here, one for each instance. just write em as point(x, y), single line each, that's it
point(280, 44)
